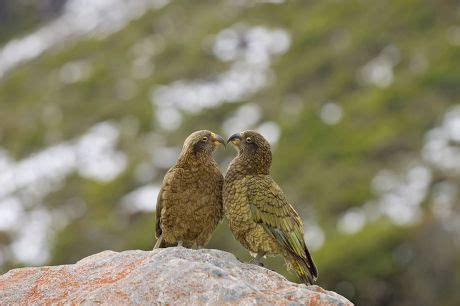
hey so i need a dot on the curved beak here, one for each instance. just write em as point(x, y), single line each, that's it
point(235, 139)
point(216, 139)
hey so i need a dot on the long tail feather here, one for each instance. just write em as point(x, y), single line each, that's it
point(305, 269)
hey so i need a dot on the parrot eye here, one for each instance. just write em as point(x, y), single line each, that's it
point(204, 138)
point(248, 139)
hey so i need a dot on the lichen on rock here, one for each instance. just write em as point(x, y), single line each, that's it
point(166, 276)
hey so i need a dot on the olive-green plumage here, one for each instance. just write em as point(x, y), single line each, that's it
point(189, 204)
point(258, 213)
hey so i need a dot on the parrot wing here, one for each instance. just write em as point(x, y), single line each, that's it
point(167, 191)
point(270, 208)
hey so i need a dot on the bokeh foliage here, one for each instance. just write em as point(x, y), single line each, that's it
point(324, 169)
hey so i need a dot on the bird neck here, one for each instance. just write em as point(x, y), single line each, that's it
point(191, 159)
point(250, 165)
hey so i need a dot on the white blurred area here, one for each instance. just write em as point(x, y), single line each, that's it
point(331, 113)
point(248, 49)
point(379, 70)
point(25, 183)
point(80, 17)
point(400, 195)
point(142, 199)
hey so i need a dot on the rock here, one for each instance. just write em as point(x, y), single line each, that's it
point(166, 276)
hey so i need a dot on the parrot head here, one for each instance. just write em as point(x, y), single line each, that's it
point(253, 148)
point(202, 142)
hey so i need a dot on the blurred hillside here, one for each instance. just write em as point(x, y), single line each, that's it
point(359, 99)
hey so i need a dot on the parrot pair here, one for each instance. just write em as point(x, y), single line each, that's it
point(194, 196)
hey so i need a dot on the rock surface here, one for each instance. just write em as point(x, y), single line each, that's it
point(166, 276)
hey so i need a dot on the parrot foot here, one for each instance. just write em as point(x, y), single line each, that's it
point(256, 260)
point(158, 243)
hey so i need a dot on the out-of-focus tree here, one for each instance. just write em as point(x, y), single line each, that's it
point(359, 99)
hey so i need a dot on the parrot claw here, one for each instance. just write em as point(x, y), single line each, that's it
point(256, 260)
point(158, 243)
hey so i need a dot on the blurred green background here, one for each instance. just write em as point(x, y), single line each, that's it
point(360, 100)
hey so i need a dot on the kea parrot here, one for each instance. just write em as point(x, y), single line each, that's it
point(189, 204)
point(259, 215)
